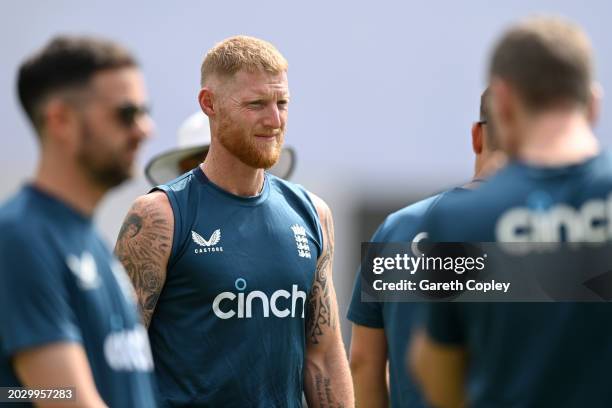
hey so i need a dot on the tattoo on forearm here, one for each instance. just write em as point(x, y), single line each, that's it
point(143, 240)
point(320, 313)
point(324, 392)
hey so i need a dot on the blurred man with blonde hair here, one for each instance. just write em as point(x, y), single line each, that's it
point(232, 265)
point(555, 188)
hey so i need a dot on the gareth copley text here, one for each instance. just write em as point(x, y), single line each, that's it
point(456, 285)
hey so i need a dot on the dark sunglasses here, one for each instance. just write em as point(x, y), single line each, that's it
point(128, 113)
point(482, 122)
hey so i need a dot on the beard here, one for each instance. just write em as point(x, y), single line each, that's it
point(250, 151)
point(105, 167)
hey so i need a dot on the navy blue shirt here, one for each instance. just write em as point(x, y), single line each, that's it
point(229, 326)
point(530, 354)
point(396, 318)
point(60, 283)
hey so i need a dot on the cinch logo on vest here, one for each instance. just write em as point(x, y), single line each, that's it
point(209, 245)
point(560, 223)
point(129, 350)
point(228, 304)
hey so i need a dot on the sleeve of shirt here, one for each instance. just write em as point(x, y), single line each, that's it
point(442, 322)
point(364, 313)
point(34, 299)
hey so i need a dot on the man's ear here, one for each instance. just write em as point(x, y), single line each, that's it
point(501, 101)
point(477, 145)
point(594, 104)
point(206, 101)
point(58, 120)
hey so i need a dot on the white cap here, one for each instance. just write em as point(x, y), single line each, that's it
point(194, 138)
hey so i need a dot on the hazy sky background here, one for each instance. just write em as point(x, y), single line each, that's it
point(383, 93)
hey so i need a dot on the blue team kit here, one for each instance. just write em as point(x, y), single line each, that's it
point(396, 318)
point(527, 354)
point(229, 326)
point(60, 283)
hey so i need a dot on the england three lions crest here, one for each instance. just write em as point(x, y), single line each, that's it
point(301, 241)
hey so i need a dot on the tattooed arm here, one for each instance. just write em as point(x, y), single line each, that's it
point(143, 247)
point(327, 381)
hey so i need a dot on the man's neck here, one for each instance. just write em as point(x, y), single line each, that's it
point(228, 172)
point(69, 184)
point(487, 164)
point(557, 139)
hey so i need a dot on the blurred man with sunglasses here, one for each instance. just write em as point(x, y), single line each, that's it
point(68, 316)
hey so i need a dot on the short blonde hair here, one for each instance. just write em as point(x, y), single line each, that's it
point(241, 52)
point(547, 59)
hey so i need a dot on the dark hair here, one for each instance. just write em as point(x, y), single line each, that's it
point(484, 108)
point(547, 60)
point(485, 118)
point(66, 62)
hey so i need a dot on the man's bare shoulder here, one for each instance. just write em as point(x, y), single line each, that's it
point(151, 211)
point(321, 206)
point(144, 246)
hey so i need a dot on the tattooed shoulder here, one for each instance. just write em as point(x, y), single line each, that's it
point(143, 247)
point(326, 220)
point(321, 311)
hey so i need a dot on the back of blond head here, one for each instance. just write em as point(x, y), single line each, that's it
point(241, 52)
point(547, 59)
